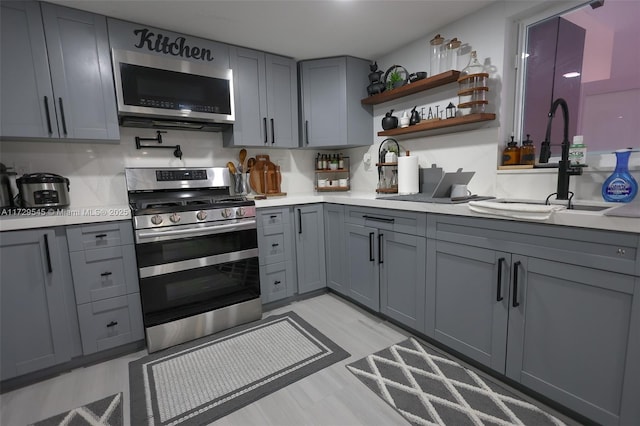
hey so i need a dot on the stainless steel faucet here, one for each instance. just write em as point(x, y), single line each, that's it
point(564, 166)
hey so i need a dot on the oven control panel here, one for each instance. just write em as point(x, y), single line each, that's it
point(195, 216)
point(173, 175)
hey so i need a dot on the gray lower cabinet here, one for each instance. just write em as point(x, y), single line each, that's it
point(36, 328)
point(105, 276)
point(335, 248)
point(386, 269)
point(276, 254)
point(556, 309)
point(266, 100)
point(331, 114)
point(310, 256)
point(56, 76)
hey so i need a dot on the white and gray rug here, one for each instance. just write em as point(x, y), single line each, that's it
point(427, 388)
point(198, 382)
point(104, 412)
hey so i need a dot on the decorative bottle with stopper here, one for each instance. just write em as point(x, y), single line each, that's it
point(511, 154)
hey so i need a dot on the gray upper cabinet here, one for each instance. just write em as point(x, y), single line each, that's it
point(331, 112)
point(310, 256)
point(57, 81)
point(36, 329)
point(554, 308)
point(266, 90)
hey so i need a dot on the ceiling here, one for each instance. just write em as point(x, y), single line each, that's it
point(301, 29)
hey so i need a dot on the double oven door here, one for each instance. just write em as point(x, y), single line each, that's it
point(193, 269)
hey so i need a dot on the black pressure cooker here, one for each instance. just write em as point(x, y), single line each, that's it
point(43, 190)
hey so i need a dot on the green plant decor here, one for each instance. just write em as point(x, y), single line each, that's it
point(394, 79)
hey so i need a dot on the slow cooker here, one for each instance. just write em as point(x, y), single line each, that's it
point(43, 190)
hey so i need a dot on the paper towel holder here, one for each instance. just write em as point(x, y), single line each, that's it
point(386, 146)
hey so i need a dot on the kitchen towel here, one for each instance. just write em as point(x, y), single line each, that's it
point(408, 182)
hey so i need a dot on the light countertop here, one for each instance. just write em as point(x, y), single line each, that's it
point(96, 214)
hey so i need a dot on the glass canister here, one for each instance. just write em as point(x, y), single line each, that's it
point(435, 54)
point(452, 50)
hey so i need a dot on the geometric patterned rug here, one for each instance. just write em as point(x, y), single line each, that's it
point(105, 412)
point(427, 388)
point(200, 381)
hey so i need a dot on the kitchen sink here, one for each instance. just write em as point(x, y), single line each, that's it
point(578, 206)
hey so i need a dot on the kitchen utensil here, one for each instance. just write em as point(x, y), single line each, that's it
point(242, 155)
point(43, 190)
point(232, 168)
point(250, 163)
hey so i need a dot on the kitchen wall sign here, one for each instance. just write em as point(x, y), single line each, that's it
point(135, 37)
point(157, 42)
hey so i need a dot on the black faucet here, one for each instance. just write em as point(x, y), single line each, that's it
point(564, 166)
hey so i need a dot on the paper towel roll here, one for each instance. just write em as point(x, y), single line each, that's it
point(408, 175)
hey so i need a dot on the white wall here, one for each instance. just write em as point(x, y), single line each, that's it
point(96, 171)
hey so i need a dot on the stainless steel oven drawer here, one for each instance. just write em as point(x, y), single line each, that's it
point(110, 323)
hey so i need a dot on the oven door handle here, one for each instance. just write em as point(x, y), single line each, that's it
point(195, 232)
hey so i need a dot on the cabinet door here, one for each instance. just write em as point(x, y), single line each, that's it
point(35, 329)
point(81, 73)
point(282, 101)
point(324, 100)
point(27, 101)
point(309, 235)
point(335, 248)
point(569, 333)
point(362, 269)
point(467, 301)
point(250, 87)
point(402, 261)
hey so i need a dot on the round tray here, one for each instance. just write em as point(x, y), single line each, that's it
point(473, 89)
point(472, 103)
point(468, 76)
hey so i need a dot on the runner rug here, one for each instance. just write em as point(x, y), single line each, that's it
point(198, 382)
point(104, 412)
point(427, 388)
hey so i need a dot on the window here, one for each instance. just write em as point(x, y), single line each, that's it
point(589, 56)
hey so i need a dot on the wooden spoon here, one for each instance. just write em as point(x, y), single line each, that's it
point(231, 167)
point(243, 155)
point(251, 163)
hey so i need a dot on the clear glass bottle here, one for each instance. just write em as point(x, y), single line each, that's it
point(620, 187)
point(435, 54)
point(452, 50)
point(473, 68)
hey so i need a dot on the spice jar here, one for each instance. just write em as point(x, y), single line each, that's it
point(527, 152)
point(511, 154)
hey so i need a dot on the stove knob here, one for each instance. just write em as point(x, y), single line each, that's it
point(175, 218)
point(201, 215)
point(226, 213)
point(156, 220)
point(240, 212)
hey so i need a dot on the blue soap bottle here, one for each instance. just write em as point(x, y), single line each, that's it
point(620, 187)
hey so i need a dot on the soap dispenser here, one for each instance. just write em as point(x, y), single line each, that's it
point(620, 187)
point(511, 154)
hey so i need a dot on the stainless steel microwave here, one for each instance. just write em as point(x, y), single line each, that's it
point(159, 91)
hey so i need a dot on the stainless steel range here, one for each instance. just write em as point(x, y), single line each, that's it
point(197, 252)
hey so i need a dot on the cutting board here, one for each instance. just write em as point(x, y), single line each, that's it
point(264, 179)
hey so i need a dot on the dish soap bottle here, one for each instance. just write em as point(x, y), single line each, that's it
point(527, 152)
point(620, 187)
point(511, 154)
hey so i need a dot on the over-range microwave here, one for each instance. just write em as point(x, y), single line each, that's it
point(162, 92)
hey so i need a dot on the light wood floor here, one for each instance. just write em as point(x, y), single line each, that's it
point(332, 396)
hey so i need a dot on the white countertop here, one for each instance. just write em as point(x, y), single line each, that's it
point(96, 214)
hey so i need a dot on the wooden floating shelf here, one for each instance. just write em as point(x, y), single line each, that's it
point(332, 171)
point(387, 190)
point(332, 188)
point(440, 124)
point(411, 88)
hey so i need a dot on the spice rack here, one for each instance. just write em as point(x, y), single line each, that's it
point(332, 179)
point(386, 183)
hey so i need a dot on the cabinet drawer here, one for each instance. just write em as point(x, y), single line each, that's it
point(109, 323)
point(273, 217)
point(110, 234)
point(413, 223)
point(277, 281)
point(273, 249)
point(104, 273)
